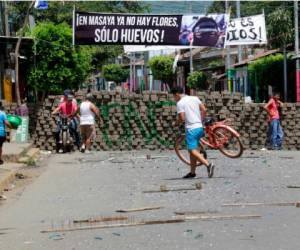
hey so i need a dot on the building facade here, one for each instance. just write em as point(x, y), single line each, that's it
point(7, 62)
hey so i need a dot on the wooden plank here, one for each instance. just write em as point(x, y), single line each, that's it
point(250, 157)
point(170, 190)
point(90, 227)
point(292, 186)
point(155, 222)
point(138, 209)
point(140, 223)
point(195, 212)
point(260, 204)
point(101, 219)
point(223, 217)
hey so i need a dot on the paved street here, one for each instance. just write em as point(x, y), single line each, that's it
point(80, 186)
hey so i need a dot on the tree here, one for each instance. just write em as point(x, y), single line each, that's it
point(58, 65)
point(162, 68)
point(62, 11)
point(280, 27)
point(197, 80)
point(104, 54)
point(17, 48)
point(268, 71)
point(115, 72)
point(249, 8)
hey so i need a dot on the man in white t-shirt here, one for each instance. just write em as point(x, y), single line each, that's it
point(191, 111)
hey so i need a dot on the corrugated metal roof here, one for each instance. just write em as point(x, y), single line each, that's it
point(255, 57)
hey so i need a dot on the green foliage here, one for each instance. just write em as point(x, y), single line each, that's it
point(249, 8)
point(62, 11)
point(115, 72)
point(104, 54)
point(162, 68)
point(280, 27)
point(58, 65)
point(267, 70)
point(197, 80)
point(215, 63)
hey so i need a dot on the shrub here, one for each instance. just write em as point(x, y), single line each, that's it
point(197, 80)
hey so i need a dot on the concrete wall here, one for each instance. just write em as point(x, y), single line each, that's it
point(136, 121)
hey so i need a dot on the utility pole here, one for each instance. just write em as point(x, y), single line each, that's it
point(17, 88)
point(191, 50)
point(6, 28)
point(227, 52)
point(285, 71)
point(285, 66)
point(297, 50)
point(130, 78)
point(191, 61)
point(134, 72)
point(238, 14)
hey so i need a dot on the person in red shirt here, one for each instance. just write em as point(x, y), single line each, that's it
point(275, 129)
point(68, 108)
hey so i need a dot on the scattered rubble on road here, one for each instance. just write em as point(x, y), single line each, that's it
point(20, 176)
point(56, 236)
point(2, 197)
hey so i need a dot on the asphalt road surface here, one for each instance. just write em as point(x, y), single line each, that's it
point(81, 186)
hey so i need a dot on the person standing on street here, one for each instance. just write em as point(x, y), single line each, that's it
point(275, 129)
point(22, 110)
point(3, 123)
point(87, 111)
point(191, 111)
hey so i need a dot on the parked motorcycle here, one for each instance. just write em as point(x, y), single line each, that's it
point(66, 141)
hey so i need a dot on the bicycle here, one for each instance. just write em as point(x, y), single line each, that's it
point(220, 135)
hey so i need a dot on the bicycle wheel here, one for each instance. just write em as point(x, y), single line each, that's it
point(227, 142)
point(183, 153)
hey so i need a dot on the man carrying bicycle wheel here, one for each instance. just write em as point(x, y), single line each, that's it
point(191, 111)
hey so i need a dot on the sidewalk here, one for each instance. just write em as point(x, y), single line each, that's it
point(12, 152)
point(7, 174)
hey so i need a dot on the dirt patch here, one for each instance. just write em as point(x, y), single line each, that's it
point(24, 177)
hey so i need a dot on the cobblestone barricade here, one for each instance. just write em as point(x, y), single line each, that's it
point(137, 121)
